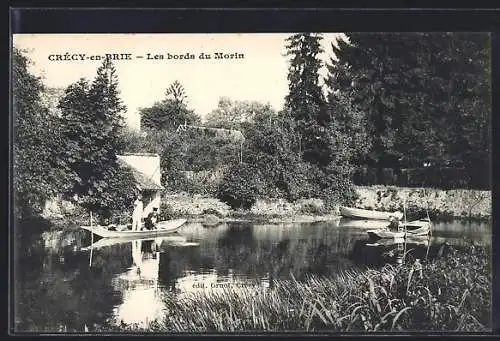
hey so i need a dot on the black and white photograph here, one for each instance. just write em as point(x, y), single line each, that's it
point(295, 182)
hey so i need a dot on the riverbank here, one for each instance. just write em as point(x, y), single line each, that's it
point(452, 293)
point(440, 204)
point(209, 210)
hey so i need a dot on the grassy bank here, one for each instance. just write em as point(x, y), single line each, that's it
point(204, 209)
point(452, 293)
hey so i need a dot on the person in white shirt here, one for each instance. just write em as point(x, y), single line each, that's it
point(137, 213)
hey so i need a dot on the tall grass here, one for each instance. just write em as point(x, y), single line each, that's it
point(449, 294)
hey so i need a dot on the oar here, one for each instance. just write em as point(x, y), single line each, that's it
point(430, 226)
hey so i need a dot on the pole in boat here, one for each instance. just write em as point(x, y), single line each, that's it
point(404, 215)
point(91, 240)
point(430, 235)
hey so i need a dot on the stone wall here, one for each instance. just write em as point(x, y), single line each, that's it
point(459, 203)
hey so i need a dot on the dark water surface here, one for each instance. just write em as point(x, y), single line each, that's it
point(60, 285)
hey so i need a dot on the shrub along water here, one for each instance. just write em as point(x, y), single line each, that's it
point(452, 293)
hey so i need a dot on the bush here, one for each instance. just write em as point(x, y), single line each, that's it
point(301, 181)
point(167, 212)
point(312, 207)
point(335, 185)
point(212, 211)
point(239, 188)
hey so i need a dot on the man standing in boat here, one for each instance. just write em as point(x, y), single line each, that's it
point(137, 213)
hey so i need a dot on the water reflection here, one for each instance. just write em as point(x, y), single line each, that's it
point(57, 290)
point(139, 285)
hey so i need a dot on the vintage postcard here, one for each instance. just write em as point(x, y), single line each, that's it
point(257, 182)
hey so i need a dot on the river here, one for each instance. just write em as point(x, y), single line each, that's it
point(62, 285)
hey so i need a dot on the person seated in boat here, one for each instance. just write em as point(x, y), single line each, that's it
point(393, 224)
point(151, 219)
point(137, 213)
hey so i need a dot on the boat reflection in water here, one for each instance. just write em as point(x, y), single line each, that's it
point(140, 286)
point(394, 251)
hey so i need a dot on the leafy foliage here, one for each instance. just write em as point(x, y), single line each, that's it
point(269, 147)
point(426, 96)
point(235, 114)
point(240, 186)
point(37, 142)
point(195, 151)
point(169, 113)
point(347, 122)
point(320, 127)
point(120, 193)
point(92, 128)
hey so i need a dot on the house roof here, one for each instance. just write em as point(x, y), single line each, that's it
point(142, 179)
point(231, 134)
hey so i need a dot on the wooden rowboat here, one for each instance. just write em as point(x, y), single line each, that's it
point(380, 224)
point(163, 228)
point(412, 232)
point(358, 213)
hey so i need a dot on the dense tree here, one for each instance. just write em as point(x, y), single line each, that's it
point(269, 148)
point(240, 186)
point(349, 123)
point(426, 95)
point(93, 131)
point(323, 141)
point(36, 142)
point(231, 114)
point(169, 113)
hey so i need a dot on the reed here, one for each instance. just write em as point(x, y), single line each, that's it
point(452, 293)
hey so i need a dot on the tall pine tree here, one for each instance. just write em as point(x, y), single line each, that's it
point(305, 102)
point(319, 135)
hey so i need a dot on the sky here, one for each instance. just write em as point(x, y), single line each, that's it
point(261, 75)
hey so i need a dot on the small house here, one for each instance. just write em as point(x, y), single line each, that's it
point(147, 173)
